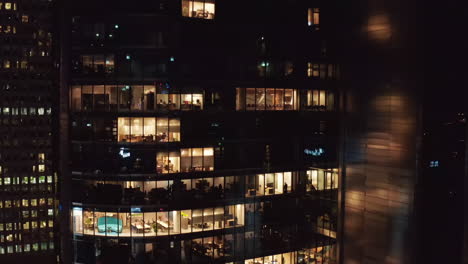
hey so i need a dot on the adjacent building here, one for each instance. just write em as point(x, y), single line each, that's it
point(28, 83)
point(208, 131)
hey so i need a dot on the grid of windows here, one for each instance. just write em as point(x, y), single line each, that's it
point(27, 177)
point(97, 63)
point(187, 160)
point(266, 99)
point(318, 100)
point(274, 99)
point(133, 222)
point(207, 188)
point(321, 70)
point(126, 186)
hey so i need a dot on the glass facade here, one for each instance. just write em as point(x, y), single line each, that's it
point(134, 98)
point(174, 161)
point(319, 182)
point(266, 99)
point(148, 129)
point(133, 222)
point(274, 99)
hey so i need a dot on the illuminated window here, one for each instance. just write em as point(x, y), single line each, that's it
point(168, 162)
point(41, 168)
point(322, 71)
point(270, 99)
point(196, 220)
point(24, 18)
point(148, 129)
point(319, 100)
point(98, 63)
point(264, 69)
point(137, 98)
point(320, 179)
point(204, 9)
point(170, 99)
point(6, 64)
point(288, 68)
point(313, 17)
point(313, 70)
point(197, 159)
point(7, 6)
point(41, 157)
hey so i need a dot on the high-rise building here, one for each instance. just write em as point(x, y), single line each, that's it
point(209, 131)
point(27, 168)
point(402, 166)
point(202, 131)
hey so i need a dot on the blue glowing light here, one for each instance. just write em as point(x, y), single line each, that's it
point(314, 152)
point(124, 153)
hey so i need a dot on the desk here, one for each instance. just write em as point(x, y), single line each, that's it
point(231, 222)
point(163, 224)
point(141, 228)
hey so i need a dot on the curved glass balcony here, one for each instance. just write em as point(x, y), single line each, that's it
point(134, 222)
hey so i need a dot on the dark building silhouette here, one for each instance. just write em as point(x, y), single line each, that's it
point(27, 169)
point(202, 132)
point(398, 206)
point(443, 158)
